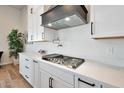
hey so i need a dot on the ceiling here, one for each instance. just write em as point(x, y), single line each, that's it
point(19, 7)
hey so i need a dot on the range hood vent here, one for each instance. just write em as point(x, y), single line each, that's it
point(64, 16)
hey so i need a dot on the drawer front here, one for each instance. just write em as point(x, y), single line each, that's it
point(27, 62)
point(28, 77)
point(59, 73)
point(26, 68)
point(85, 82)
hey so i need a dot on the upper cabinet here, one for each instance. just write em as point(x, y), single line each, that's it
point(107, 21)
point(36, 32)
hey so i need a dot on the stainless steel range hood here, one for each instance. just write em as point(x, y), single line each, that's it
point(64, 16)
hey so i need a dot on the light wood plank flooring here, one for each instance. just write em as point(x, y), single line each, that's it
point(10, 77)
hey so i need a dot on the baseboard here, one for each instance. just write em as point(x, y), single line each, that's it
point(5, 63)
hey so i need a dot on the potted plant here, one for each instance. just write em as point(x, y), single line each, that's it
point(16, 44)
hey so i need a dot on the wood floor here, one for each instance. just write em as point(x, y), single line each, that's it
point(10, 77)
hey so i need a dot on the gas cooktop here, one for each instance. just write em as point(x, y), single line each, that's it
point(67, 61)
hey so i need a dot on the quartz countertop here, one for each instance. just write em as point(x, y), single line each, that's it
point(105, 73)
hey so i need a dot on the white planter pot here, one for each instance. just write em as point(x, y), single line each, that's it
point(15, 61)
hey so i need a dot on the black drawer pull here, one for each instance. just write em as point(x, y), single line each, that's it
point(27, 67)
point(91, 28)
point(26, 59)
point(86, 82)
point(35, 61)
point(26, 76)
point(31, 10)
point(50, 82)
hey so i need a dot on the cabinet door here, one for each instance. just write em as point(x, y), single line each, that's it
point(36, 74)
point(40, 29)
point(58, 83)
point(44, 79)
point(30, 23)
point(108, 20)
point(21, 63)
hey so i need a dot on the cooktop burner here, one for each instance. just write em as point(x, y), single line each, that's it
point(70, 62)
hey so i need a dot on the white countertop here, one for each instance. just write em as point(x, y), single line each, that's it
point(108, 74)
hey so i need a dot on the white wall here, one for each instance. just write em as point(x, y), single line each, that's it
point(9, 18)
point(24, 20)
point(77, 42)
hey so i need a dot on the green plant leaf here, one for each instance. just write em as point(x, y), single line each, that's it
point(15, 42)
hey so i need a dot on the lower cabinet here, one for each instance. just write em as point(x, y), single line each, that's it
point(41, 75)
point(29, 69)
point(49, 81)
point(36, 75)
point(85, 82)
point(58, 83)
point(26, 68)
point(44, 79)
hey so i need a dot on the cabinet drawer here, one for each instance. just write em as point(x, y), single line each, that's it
point(59, 73)
point(27, 62)
point(85, 82)
point(28, 77)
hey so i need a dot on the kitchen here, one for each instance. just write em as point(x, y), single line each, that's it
point(97, 43)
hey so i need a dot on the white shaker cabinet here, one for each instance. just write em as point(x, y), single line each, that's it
point(30, 17)
point(40, 29)
point(107, 21)
point(36, 32)
point(26, 68)
point(33, 23)
point(50, 81)
point(44, 79)
point(29, 69)
point(54, 77)
point(85, 82)
point(36, 74)
point(58, 83)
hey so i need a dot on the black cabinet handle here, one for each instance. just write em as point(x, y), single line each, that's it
point(27, 67)
point(26, 76)
point(31, 10)
point(91, 28)
point(101, 86)
point(26, 59)
point(35, 61)
point(31, 37)
point(43, 35)
point(86, 82)
point(50, 82)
